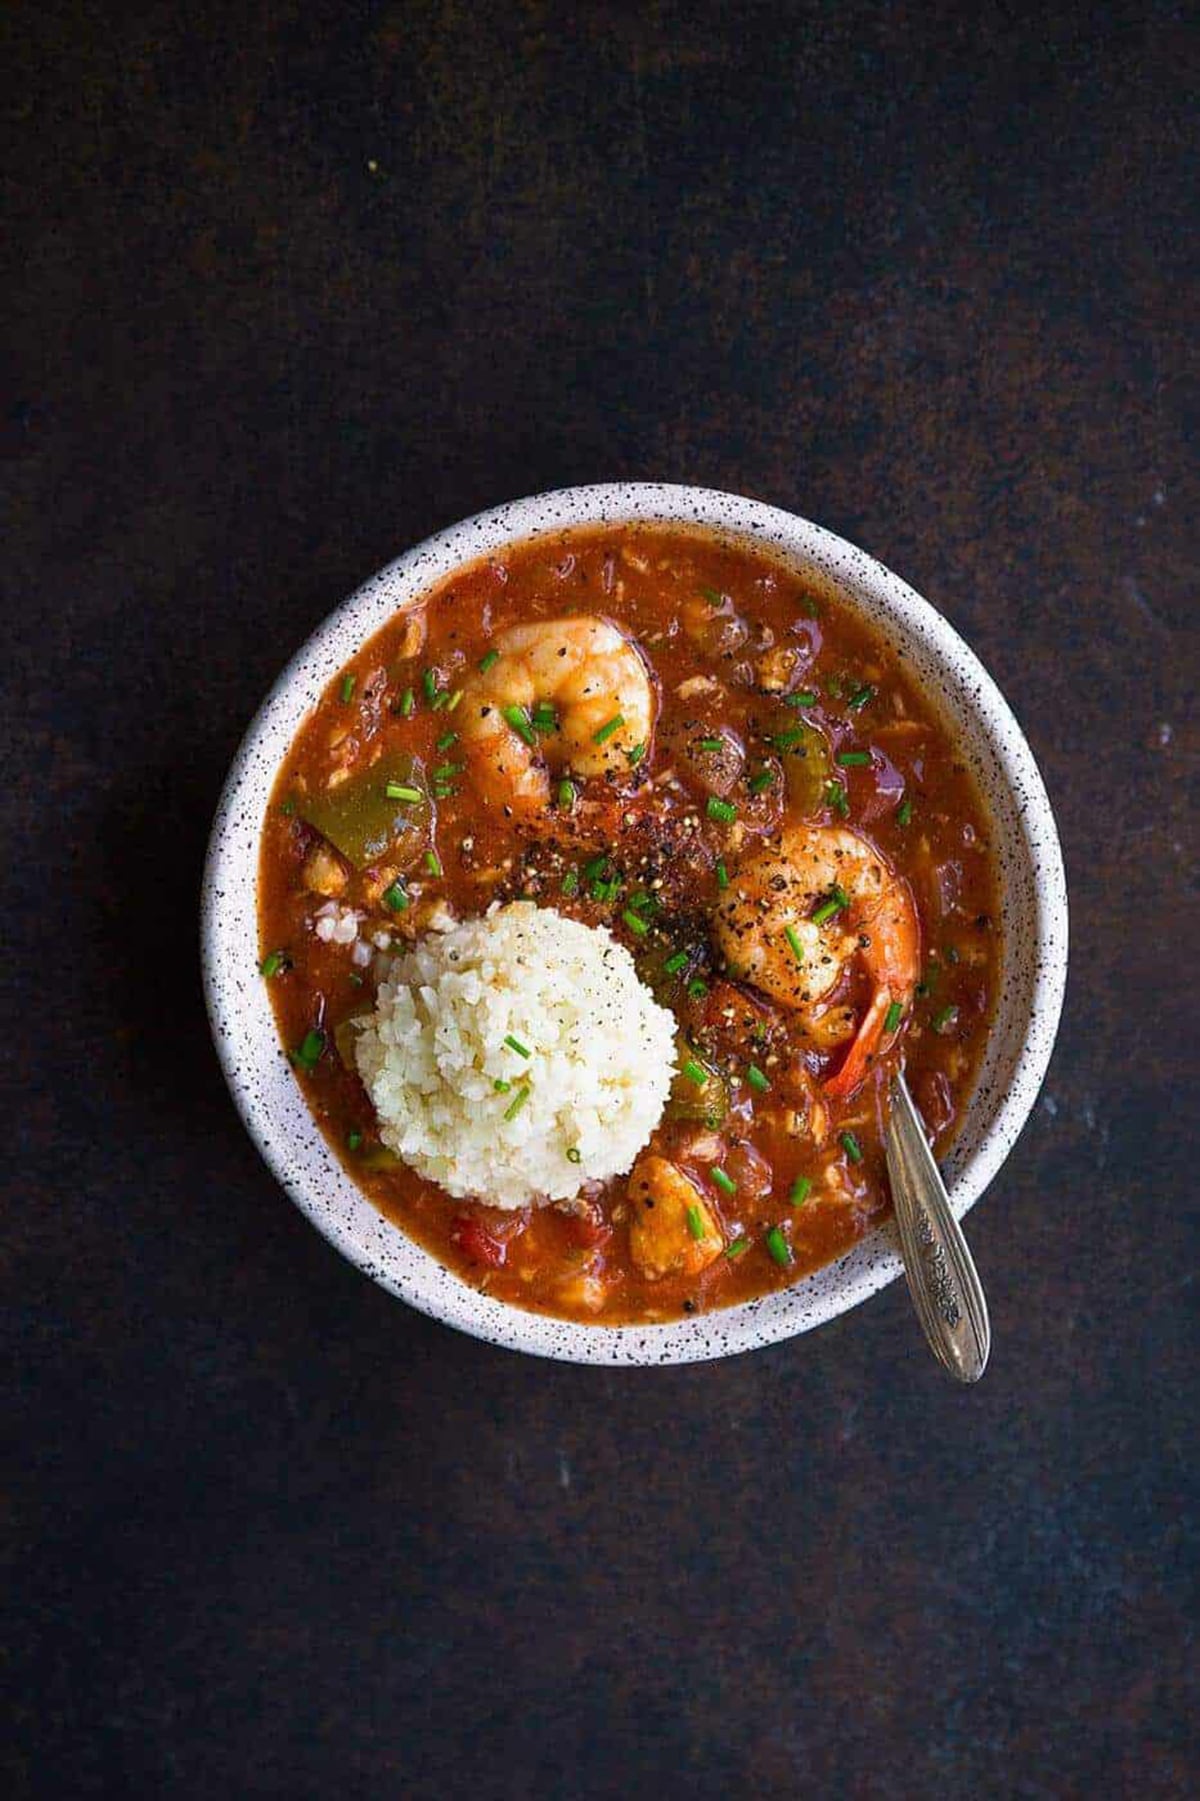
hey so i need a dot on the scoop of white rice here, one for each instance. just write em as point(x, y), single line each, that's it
point(602, 1055)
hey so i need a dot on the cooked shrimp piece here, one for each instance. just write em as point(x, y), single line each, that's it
point(799, 911)
point(672, 1229)
point(593, 679)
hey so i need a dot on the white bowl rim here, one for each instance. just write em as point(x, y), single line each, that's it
point(351, 1223)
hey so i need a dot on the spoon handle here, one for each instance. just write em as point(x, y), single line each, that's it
point(940, 1271)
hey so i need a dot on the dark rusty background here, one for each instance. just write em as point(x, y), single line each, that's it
point(289, 287)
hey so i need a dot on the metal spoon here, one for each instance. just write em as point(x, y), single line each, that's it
point(941, 1274)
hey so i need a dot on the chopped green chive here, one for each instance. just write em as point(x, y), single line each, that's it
point(695, 1072)
point(904, 812)
point(838, 900)
point(837, 797)
point(635, 755)
point(725, 1183)
point(862, 697)
point(793, 938)
point(789, 739)
point(347, 688)
point(574, 1155)
point(271, 964)
point(517, 1102)
point(544, 718)
point(518, 718)
point(801, 1188)
point(566, 795)
point(780, 1249)
point(894, 1015)
point(720, 809)
point(946, 1020)
point(697, 989)
point(596, 866)
point(635, 922)
point(441, 699)
point(571, 882)
point(353, 1140)
point(433, 863)
point(674, 964)
point(606, 731)
point(695, 1222)
point(851, 1147)
point(446, 772)
point(762, 780)
point(310, 1049)
point(398, 791)
point(713, 596)
point(485, 662)
point(429, 682)
point(395, 898)
point(853, 759)
point(710, 744)
point(737, 1249)
point(757, 1079)
point(446, 740)
point(514, 1044)
point(806, 698)
point(407, 702)
point(454, 700)
point(722, 874)
point(501, 1086)
point(288, 808)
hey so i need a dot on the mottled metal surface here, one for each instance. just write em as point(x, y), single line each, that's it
point(290, 287)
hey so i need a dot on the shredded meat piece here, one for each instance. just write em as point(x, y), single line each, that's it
point(412, 638)
point(778, 668)
point(324, 871)
point(672, 1230)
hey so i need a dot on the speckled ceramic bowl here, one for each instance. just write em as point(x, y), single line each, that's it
point(1034, 912)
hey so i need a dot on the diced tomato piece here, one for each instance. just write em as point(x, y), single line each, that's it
point(479, 1245)
point(587, 1228)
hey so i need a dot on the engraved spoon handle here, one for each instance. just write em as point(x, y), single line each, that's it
point(941, 1274)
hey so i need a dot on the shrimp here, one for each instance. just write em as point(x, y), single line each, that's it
point(593, 678)
point(801, 909)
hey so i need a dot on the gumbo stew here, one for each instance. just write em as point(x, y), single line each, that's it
point(675, 737)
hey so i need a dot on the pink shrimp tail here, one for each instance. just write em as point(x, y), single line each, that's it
point(853, 1071)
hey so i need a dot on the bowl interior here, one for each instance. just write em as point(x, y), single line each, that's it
point(1032, 900)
